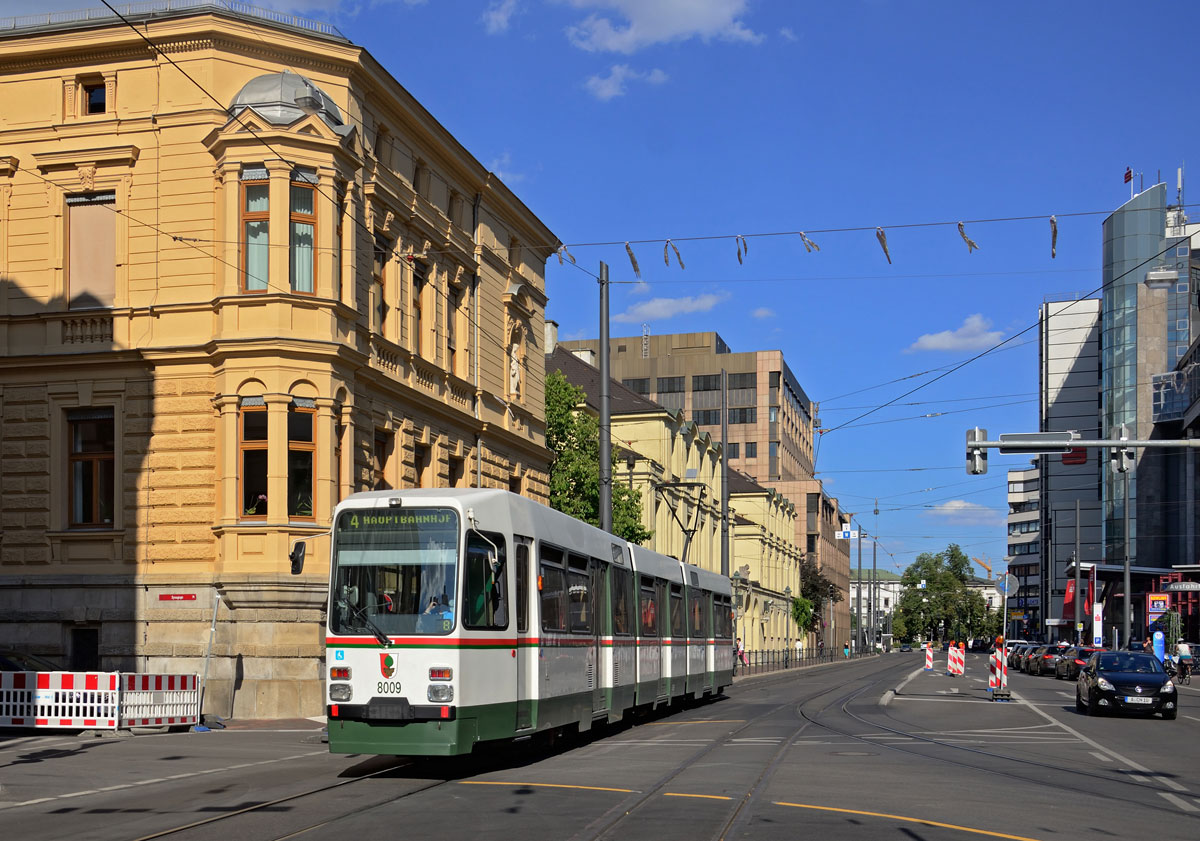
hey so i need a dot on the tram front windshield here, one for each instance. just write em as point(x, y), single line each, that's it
point(394, 571)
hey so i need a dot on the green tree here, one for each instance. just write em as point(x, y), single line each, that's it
point(944, 608)
point(817, 590)
point(573, 438)
point(802, 612)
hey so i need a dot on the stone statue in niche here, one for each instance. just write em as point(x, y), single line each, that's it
point(514, 371)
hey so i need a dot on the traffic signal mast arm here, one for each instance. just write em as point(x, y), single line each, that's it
point(1049, 443)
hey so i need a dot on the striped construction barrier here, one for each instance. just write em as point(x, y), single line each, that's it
point(152, 700)
point(928, 659)
point(59, 699)
point(97, 700)
point(992, 677)
point(955, 661)
point(1001, 675)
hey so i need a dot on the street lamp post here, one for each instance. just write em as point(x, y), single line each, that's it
point(787, 625)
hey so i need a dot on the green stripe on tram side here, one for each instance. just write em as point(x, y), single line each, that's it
point(452, 738)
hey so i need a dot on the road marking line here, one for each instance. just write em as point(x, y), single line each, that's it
point(703, 721)
point(1139, 778)
point(1100, 756)
point(702, 796)
point(137, 783)
point(1192, 717)
point(908, 820)
point(1180, 802)
point(1135, 766)
point(543, 785)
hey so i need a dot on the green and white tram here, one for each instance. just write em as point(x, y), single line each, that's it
point(458, 616)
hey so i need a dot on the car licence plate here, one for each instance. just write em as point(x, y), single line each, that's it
point(1136, 699)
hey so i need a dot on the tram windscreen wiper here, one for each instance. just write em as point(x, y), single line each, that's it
point(369, 624)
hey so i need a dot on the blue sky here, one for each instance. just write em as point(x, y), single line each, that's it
point(701, 120)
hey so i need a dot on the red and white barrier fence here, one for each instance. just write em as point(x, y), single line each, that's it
point(151, 700)
point(97, 700)
point(955, 661)
point(929, 659)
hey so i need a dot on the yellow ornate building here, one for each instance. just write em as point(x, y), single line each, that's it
point(767, 560)
point(244, 274)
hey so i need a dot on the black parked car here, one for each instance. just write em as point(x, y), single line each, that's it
point(1125, 681)
point(905, 648)
point(1014, 654)
point(1044, 658)
point(1072, 660)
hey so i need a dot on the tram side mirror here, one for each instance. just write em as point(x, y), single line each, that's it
point(296, 556)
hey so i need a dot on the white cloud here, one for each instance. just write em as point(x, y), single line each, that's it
point(658, 309)
point(787, 34)
point(973, 335)
point(605, 88)
point(501, 167)
point(498, 15)
point(763, 312)
point(642, 23)
point(963, 513)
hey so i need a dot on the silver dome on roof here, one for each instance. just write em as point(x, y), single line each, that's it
point(283, 98)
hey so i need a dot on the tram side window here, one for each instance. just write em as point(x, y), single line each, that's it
point(552, 588)
point(697, 614)
point(649, 609)
point(622, 593)
point(522, 588)
point(724, 619)
point(677, 626)
point(486, 581)
point(579, 595)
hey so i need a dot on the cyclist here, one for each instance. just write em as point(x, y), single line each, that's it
point(1183, 653)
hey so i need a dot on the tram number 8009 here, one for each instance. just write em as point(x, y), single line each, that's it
point(387, 687)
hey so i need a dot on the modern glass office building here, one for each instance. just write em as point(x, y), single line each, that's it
point(1145, 332)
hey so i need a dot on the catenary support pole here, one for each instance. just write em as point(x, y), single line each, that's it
point(724, 473)
point(1079, 598)
point(875, 593)
point(858, 618)
point(1127, 605)
point(605, 409)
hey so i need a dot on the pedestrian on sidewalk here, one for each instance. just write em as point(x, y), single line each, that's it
point(846, 649)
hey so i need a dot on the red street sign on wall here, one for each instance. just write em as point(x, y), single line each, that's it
point(176, 597)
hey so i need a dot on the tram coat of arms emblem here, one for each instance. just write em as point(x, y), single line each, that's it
point(387, 666)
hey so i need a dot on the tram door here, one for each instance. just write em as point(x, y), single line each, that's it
point(600, 615)
point(524, 652)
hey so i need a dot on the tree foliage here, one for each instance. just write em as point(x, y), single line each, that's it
point(573, 438)
point(816, 589)
point(945, 609)
point(802, 613)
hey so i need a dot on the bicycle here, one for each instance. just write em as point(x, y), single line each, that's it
point(1185, 672)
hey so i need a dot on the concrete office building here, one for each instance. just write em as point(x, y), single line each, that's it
point(222, 311)
point(1069, 380)
point(771, 429)
point(1025, 613)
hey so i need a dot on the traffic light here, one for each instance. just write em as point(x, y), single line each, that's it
point(976, 457)
point(1121, 459)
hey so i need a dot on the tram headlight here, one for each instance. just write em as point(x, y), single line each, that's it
point(440, 693)
point(340, 692)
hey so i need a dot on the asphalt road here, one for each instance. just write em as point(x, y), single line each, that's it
point(864, 749)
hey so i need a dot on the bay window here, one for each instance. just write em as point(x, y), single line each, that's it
point(252, 452)
point(255, 228)
point(302, 226)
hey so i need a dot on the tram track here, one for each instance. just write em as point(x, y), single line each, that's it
point(610, 823)
point(1086, 787)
